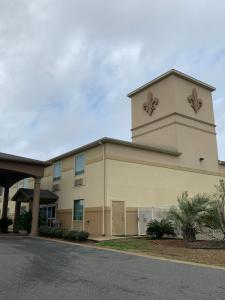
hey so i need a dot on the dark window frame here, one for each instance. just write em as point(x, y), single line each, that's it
point(76, 212)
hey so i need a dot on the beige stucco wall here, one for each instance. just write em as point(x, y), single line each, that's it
point(141, 185)
point(208, 166)
point(126, 153)
point(175, 125)
point(183, 88)
point(91, 191)
point(156, 135)
point(64, 216)
point(93, 220)
point(149, 179)
point(164, 91)
point(198, 144)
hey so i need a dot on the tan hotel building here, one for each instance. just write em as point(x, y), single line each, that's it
point(113, 187)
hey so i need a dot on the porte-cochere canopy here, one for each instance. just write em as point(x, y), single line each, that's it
point(15, 168)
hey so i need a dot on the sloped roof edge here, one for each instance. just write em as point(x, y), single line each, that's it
point(171, 72)
point(118, 142)
point(21, 159)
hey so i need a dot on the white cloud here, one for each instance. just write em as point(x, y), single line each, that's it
point(66, 66)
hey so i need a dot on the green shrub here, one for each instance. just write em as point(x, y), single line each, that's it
point(58, 232)
point(82, 235)
point(157, 229)
point(74, 235)
point(71, 235)
point(65, 234)
point(25, 219)
point(51, 232)
point(4, 224)
point(44, 231)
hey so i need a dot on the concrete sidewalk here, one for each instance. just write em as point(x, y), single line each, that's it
point(109, 238)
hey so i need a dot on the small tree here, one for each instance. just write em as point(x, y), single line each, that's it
point(157, 229)
point(25, 219)
point(215, 217)
point(188, 215)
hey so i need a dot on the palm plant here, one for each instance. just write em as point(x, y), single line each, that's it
point(215, 217)
point(188, 215)
point(157, 229)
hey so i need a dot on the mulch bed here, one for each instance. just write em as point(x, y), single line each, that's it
point(207, 245)
point(203, 244)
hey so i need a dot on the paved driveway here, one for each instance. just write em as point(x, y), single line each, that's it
point(38, 269)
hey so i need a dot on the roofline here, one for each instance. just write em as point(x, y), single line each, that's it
point(117, 142)
point(171, 72)
point(17, 192)
point(22, 160)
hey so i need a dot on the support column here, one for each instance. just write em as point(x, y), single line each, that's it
point(35, 206)
point(16, 216)
point(5, 203)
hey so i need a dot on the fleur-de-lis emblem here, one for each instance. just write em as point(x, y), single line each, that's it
point(196, 103)
point(151, 104)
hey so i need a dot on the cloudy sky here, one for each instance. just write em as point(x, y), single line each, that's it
point(67, 65)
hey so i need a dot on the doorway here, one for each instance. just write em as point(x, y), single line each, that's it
point(48, 212)
point(118, 218)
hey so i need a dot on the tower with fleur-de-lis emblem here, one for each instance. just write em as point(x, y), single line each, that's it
point(175, 111)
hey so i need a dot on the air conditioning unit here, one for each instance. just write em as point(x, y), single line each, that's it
point(55, 187)
point(79, 182)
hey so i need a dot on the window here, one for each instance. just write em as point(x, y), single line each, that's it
point(78, 211)
point(57, 170)
point(26, 183)
point(79, 164)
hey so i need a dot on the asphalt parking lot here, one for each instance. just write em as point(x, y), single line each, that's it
point(41, 269)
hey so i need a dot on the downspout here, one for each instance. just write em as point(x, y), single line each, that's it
point(104, 198)
point(104, 188)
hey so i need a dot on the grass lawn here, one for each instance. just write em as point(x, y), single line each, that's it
point(172, 249)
